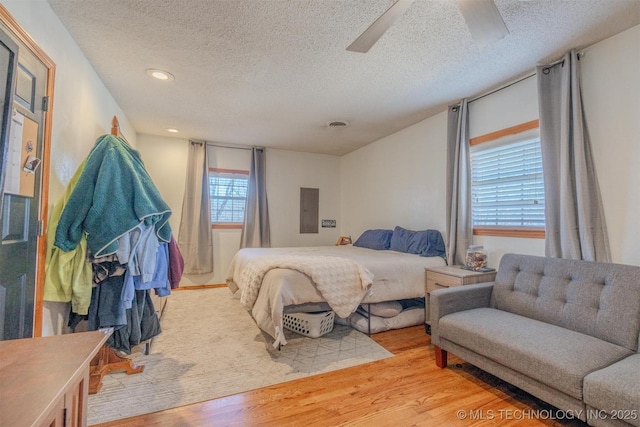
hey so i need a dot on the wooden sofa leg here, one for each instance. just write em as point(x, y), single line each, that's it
point(441, 357)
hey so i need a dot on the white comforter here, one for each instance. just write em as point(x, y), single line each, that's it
point(396, 276)
point(341, 281)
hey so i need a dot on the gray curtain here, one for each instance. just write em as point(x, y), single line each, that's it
point(574, 217)
point(255, 230)
point(194, 237)
point(459, 227)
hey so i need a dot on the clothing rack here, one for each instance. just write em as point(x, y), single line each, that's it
point(115, 129)
point(107, 360)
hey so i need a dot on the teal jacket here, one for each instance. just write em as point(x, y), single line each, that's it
point(113, 196)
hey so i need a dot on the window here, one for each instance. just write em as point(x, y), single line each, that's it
point(507, 187)
point(228, 191)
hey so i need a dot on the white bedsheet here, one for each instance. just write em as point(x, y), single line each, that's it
point(396, 276)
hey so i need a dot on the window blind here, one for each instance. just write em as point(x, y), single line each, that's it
point(507, 187)
point(228, 193)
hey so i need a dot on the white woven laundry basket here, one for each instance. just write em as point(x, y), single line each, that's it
point(313, 325)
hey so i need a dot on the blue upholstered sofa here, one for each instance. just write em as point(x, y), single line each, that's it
point(565, 331)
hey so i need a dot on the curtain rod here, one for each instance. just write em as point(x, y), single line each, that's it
point(498, 89)
point(211, 144)
point(581, 53)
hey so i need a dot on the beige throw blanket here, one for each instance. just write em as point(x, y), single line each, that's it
point(342, 282)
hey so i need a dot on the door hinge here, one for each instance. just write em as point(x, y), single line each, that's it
point(40, 227)
point(45, 103)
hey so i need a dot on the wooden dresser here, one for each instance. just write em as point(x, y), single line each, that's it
point(446, 277)
point(45, 381)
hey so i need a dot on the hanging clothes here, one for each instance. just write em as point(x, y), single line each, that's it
point(138, 250)
point(67, 274)
point(142, 324)
point(131, 326)
point(176, 263)
point(158, 281)
point(134, 320)
point(114, 215)
point(113, 196)
point(106, 309)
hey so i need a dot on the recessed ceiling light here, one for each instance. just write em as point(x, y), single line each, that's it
point(172, 130)
point(160, 74)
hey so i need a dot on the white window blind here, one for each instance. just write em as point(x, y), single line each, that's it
point(228, 191)
point(507, 188)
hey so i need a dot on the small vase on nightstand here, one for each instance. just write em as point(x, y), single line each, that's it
point(476, 258)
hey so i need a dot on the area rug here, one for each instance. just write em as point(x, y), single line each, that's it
point(210, 347)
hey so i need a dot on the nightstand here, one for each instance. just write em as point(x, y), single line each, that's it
point(446, 277)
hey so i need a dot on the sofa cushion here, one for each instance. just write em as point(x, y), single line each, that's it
point(552, 355)
point(616, 390)
point(587, 297)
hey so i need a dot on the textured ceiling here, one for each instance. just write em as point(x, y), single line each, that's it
point(274, 72)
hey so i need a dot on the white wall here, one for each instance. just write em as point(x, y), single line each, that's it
point(82, 111)
point(611, 94)
point(165, 159)
point(400, 179)
point(287, 171)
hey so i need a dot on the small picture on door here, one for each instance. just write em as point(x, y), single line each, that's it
point(31, 164)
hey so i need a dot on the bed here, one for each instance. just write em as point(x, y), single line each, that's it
point(396, 266)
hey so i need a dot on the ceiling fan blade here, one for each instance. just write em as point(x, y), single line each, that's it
point(484, 21)
point(371, 35)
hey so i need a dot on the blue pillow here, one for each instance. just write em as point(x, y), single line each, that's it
point(423, 243)
point(375, 239)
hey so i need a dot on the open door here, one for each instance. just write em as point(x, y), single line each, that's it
point(26, 75)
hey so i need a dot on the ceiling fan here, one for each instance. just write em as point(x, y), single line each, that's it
point(482, 17)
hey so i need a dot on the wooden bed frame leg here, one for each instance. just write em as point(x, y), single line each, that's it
point(441, 357)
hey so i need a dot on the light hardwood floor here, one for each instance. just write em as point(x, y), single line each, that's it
point(404, 390)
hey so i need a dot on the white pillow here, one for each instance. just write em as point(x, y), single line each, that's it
point(409, 317)
point(384, 309)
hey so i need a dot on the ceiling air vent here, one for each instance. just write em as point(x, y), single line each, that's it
point(338, 124)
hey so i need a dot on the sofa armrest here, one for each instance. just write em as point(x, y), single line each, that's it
point(452, 300)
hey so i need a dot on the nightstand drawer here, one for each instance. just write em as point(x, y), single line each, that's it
point(441, 281)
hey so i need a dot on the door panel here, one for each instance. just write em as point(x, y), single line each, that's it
point(25, 88)
point(15, 310)
point(15, 220)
